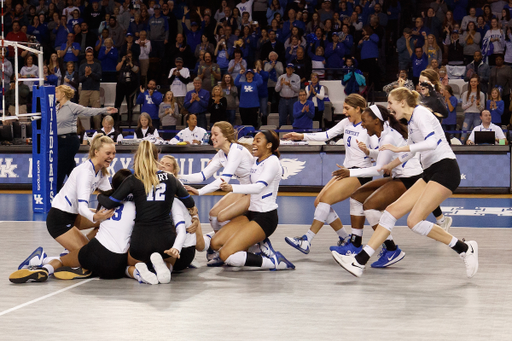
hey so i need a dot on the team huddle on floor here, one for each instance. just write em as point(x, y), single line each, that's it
point(146, 224)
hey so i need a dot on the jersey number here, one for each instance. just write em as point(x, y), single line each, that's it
point(348, 141)
point(118, 213)
point(157, 193)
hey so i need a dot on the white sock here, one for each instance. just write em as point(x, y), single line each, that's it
point(224, 223)
point(127, 273)
point(214, 223)
point(49, 268)
point(453, 242)
point(357, 232)
point(267, 263)
point(440, 221)
point(207, 240)
point(369, 250)
point(310, 235)
point(342, 233)
point(237, 259)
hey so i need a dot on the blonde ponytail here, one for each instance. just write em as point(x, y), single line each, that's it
point(145, 165)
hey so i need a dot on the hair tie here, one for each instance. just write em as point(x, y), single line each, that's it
point(376, 111)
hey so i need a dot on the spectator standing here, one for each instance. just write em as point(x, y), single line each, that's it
point(501, 75)
point(302, 65)
point(85, 38)
point(496, 37)
point(231, 94)
point(477, 66)
point(182, 50)
point(70, 50)
point(249, 99)
point(29, 70)
point(193, 33)
point(179, 77)
point(275, 69)
point(129, 45)
point(450, 123)
point(303, 112)
point(288, 86)
point(116, 32)
point(262, 91)
point(419, 61)
point(496, 106)
point(89, 76)
point(453, 49)
point(158, 33)
point(335, 54)
point(205, 46)
point(209, 72)
point(370, 54)
point(196, 102)
point(316, 94)
point(217, 106)
point(471, 42)
point(145, 50)
point(473, 102)
point(273, 45)
point(150, 100)
point(127, 83)
point(93, 16)
point(245, 6)
point(432, 50)
point(108, 58)
point(404, 56)
point(169, 114)
point(236, 64)
point(418, 39)
point(471, 17)
point(71, 79)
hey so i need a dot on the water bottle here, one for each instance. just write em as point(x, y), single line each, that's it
point(206, 138)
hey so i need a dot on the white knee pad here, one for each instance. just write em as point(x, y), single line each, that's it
point(423, 227)
point(356, 208)
point(237, 259)
point(322, 212)
point(331, 217)
point(387, 221)
point(373, 216)
point(214, 222)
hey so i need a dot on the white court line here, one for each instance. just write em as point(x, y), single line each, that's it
point(46, 296)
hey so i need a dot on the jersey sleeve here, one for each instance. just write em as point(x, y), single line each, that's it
point(182, 194)
point(104, 184)
point(235, 156)
point(83, 194)
point(179, 223)
point(267, 175)
point(383, 158)
point(205, 174)
point(428, 130)
point(119, 195)
point(338, 129)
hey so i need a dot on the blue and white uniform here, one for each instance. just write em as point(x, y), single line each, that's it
point(185, 242)
point(187, 135)
point(354, 157)
point(405, 170)
point(115, 233)
point(237, 163)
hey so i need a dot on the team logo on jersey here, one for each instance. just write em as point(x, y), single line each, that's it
point(248, 88)
point(291, 167)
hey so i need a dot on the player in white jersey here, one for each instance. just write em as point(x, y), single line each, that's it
point(237, 162)
point(441, 176)
point(189, 236)
point(72, 200)
point(338, 190)
point(192, 134)
point(261, 220)
point(105, 255)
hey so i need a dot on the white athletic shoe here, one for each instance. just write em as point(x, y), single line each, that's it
point(470, 258)
point(143, 275)
point(447, 223)
point(300, 243)
point(266, 248)
point(349, 263)
point(281, 263)
point(162, 271)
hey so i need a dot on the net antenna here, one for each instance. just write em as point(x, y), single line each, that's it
point(34, 48)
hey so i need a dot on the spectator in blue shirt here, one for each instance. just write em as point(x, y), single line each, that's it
point(108, 56)
point(419, 61)
point(70, 50)
point(303, 112)
point(249, 98)
point(369, 54)
point(292, 22)
point(450, 123)
point(404, 57)
point(193, 34)
point(75, 20)
point(61, 32)
point(196, 102)
point(334, 54)
point(496, 106)
point(150, 100)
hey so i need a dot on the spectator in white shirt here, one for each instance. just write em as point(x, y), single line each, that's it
point(145, 49)
point(179, 77)
point(487, 125)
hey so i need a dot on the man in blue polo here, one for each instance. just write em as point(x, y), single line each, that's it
point(150, 100)
point(196, 102)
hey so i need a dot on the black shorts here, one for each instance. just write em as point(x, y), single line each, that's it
point(408, 182)
point(101, 261)
point(59, 222)
point(187, 255)
point(149, 238)
point(362, 181)
point(267, 220)
point(445, 172)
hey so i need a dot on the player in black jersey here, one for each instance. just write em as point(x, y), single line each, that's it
point(154, 233)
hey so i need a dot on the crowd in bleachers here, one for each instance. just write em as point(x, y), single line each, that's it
point(253, 57)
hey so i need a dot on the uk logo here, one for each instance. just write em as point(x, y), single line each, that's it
point(291, 167)
point(248, 88)
point(38, 199)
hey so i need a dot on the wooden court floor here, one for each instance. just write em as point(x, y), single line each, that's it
point(424, 297)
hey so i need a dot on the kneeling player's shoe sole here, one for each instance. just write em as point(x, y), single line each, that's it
point(162, 271)
point(67, 273)
point(34, 274)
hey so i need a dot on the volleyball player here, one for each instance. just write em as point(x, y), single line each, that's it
point(441, 176)
point(70, 207)
point(189, 235)
point(237, 162)
point(153, 192)
point(338, 190)
point(261, 219)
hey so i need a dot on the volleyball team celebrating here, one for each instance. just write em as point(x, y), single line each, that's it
point(146, 224)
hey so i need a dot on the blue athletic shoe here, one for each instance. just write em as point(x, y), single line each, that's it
point(300, 243)
point(343, 241)
point(387, 258)
point(30, 261)
point(346, 249)
point(281, 263)
point(266, 248)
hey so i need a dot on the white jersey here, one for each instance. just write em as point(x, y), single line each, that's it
point(237, 163)
point(82, 182)
point(178, 88)
point(426, 136)
point(492, 127)
point(187, 135)
point(115, 232)
point(182, 220)
point(245, 7)
point(405, 170)
point(354, 157)
point(265, 178)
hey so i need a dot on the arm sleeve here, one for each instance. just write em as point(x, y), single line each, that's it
point(181, 230)
point(205, 174)
point(296, 87)
point(237, 80)
point(119, 195)
point(430, 142)
point(311, 112)
point(338, 129)
point(472, 136)
point(383, 158)
point(278, 85)
point(321, 95)
point(500, 107)
point(83, 196)
point(268, 174)
point(161, 110)
point(234, 159)
point(499, 134)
